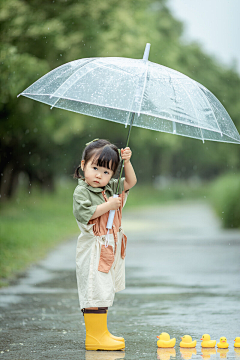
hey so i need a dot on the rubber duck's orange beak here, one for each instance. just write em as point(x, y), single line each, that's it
point(201, 339)
point(181, 337)
point(158, 337)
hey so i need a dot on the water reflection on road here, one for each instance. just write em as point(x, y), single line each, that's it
point(182, 278)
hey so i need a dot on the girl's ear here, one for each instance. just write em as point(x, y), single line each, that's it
point(82, 164)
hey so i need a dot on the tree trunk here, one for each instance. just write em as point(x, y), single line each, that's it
point(8, 182)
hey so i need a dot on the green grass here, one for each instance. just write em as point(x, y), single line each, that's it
point(225, 196)
point(142, 195)
point(32, 224)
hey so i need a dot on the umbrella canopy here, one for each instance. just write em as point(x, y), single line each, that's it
point(114, 88)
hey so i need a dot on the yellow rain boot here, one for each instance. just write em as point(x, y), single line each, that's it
point(97, 334)
point(118, 338)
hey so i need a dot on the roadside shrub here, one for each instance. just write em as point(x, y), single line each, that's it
point(225, 195)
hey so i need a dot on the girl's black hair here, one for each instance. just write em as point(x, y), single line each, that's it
point(105, 154)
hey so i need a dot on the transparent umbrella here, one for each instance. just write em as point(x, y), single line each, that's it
point(136, 92)
point(115, 89)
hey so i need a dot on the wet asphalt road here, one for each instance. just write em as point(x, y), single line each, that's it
point(182, 277)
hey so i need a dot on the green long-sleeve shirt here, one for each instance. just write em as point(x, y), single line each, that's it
point(86, 198)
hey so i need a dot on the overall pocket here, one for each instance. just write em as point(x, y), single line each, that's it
point(106, 258)
point(123, 246)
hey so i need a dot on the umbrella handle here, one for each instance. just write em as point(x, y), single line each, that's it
point(111, 216)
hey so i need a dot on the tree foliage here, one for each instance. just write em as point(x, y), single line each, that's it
point(37, 36)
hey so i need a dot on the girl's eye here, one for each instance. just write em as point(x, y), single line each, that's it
point(95, 168)
point(106, 172)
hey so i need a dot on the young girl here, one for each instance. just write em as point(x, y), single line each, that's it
point(100, 258)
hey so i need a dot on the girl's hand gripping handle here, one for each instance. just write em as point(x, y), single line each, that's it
point(111, 216)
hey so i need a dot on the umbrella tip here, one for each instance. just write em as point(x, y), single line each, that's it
point(146, 52)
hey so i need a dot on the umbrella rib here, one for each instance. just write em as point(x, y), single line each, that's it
point(174, 122)
point(133, 100)
point(91, 60)
point(232, 124)
point(143, 89)
point(212, 111)
point(193, 109)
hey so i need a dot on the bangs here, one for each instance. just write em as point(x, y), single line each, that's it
point(107, 157)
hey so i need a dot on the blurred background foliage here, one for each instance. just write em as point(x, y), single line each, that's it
point(39, 36)
point(39, 145)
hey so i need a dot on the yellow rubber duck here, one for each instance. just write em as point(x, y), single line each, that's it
point(237, 342)
point(165, 341)
point(187, 342)
point(207, 342)
point(223, 343)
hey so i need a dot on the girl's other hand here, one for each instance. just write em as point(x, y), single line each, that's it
point(126, 154)
point(115, 203)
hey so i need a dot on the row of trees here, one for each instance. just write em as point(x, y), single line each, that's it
point(39, 36)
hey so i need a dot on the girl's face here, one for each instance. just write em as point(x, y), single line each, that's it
point(96, 176)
